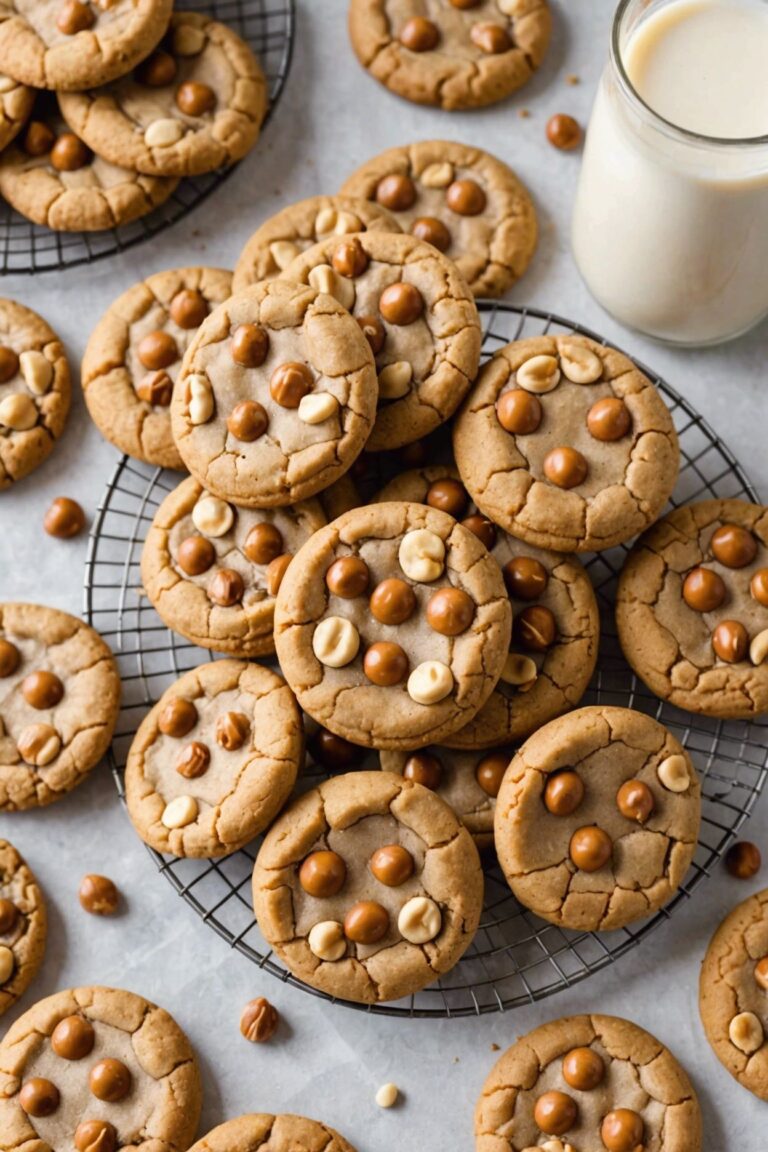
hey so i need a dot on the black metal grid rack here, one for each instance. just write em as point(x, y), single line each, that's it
point(515, 958)
point(268, 26)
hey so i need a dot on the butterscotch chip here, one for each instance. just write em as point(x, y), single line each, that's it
point(259, 1021)
point(260, 1132)
point(99, 895)
point(23, 925)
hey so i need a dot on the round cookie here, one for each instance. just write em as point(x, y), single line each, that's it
point(70, 44)
point(733, 993)
point(261, 1132)
point(463, 200)
point(212, 570)
point(215, 760)
point(276, 396)
point(418, 316)
point(195, 105)
point(368, 888)
point(34, 391)
point(16, 103)
point(59, 700)
point(587, 1082)
point(469, 54)
point(556, 620)
point(392, 626)
point(597, 819)
point(292, 230)
point(692, 608)
point(579, 449)
point(97, 1063)
point(134, 355)
point(23, 926)
point(53, 179)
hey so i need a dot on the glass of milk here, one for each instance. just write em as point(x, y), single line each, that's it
point(670, 227)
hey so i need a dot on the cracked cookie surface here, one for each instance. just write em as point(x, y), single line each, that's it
point(555, 624)
point(463, 200)
point(593, 1082)
point(215, 760)
point(288, 233)
point(733, 993)
point(59, 700)
point(419, 318)
point(34, 391)
point(455, 55)
point(276, 395)
point(368, 888)
point(134, 355)
point(262, 1132)
point(23, 926)
point(597, 819)
point(102, 1063)
point(392, 625)
point(16, 103)
point(579, 449)
point(692, 608)
point(196, 105)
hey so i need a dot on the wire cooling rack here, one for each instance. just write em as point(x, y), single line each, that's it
point(515, 958)
point(268, 26)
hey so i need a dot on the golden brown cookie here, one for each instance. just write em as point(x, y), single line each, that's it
point(261, 1132)
point(23, 926)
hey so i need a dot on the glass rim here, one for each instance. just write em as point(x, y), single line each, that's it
point(685, 134)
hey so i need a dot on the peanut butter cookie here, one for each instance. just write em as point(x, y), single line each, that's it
point(23, 926)
point(264, 1133)
point(368, 888)
point(16, 103)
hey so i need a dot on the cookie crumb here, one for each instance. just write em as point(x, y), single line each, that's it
point(259, 1020)
point(524, 113)
point(99, 895)
point(495, 1047)
point(573, 79)
point(387, 1096)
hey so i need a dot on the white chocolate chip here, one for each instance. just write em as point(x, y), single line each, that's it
point(39, 744)
point(326, 940)
point(395, 380)
point(18, 412)
point(420, 920)
point(422, 555)
point(758, 649)
point(554, 1146)
point(316, 407)
point(539, 374)
point(336, 641)
point(325, 279)
point(163, 133)
point(283, 252)
point(200, 402)
point(580, 365)
point(673, 773)
point(746, 1032)
point(387, 1095)
point(188, 40)
point(325, 222)
point(213, 517)
point(36, 371)
point(347, 222)
point(519, 670)
point(179, 812)
point(511, 7)
point(437, 175)
point(6, 84)
point(430, 682)
point(7, 964)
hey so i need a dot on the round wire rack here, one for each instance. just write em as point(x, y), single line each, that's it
point(268, 26)
point(515, 957)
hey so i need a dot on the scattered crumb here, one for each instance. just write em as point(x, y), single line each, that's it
point(456, 1060)
point(495, 1048)
point(573, 79)
point(524, 113)
point(387, 1095)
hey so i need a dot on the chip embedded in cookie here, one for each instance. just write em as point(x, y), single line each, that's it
point(23, 925)
point(392, 626)
point(597, 819)
point(579, 450)
point(261, 1132)
point(418, 316)
point(16, 103)
point(368, 887)
point(462, 200)
point(461, 54)
point(134, 355)
point(692, 608)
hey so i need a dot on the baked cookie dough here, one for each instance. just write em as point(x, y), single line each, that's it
point(59, 700)
point(579, 449)
point(16, 103)
point(212, 570)
point(134, 356)
point(215, 760)
point(276, 395)
point(464, 201)
point(733, 993)
point(418, 316)
point(586, 1083)
point(261, 1132)
point(461, 54)
point(97, 1068)
point(692, 608)
point(23, 926)
point(392, 626)
point(70, 44)
point(597, 819)
point(368, 888)
point(34, 391)
point(291, 231)
point(195, 105)
point(555, 627)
